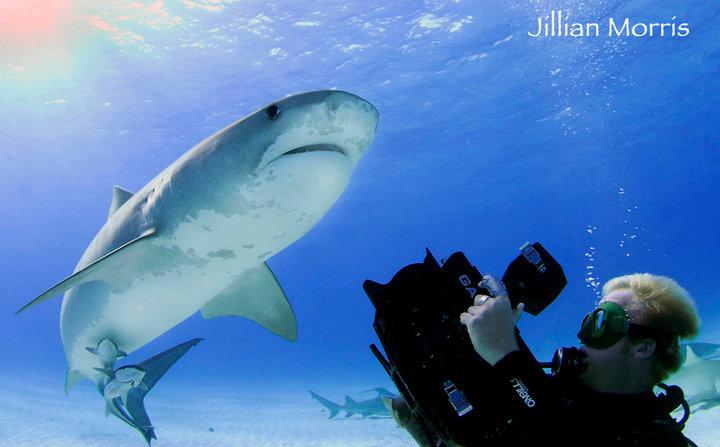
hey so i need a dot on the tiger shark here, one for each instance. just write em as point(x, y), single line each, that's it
point(197, 237)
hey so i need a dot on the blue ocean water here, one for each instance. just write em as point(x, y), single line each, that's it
point(605, 149)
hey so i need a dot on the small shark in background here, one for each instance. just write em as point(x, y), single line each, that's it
point(699, 375)
point(708, 351)
point(197, 237)
point(371, 408)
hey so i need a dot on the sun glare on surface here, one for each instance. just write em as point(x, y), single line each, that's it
point(34, 37)
point(50, 40)
point(29, 24)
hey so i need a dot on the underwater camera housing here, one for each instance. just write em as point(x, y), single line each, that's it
point(449, 388)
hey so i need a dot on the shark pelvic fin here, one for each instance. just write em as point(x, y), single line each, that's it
point(256, 295)
point(92, 272)
point(120, 196)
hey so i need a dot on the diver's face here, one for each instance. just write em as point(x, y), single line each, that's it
point(615, 360)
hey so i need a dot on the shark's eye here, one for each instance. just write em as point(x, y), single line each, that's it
point(273, 112)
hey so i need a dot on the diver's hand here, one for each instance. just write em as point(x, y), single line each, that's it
point(491, 326)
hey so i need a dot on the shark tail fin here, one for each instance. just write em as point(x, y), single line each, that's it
point(154, 368)
point(115, 408)
point(330, 405)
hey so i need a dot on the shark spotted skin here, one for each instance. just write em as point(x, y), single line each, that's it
point(372, 408)
point(197, 236)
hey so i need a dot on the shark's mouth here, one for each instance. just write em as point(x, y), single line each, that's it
point(308, 148)
point(316, 148)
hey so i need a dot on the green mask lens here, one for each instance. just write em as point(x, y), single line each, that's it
point(604, 326)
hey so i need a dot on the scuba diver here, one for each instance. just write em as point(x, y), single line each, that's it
point(603, 396)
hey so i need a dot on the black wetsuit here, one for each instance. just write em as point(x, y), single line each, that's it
point(551, 411)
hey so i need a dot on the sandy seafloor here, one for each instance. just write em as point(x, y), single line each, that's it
point(35, 412)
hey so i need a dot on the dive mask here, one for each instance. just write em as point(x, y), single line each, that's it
point(609, 323)
point(604, 326)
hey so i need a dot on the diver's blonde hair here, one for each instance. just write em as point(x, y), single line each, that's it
point(665, 306)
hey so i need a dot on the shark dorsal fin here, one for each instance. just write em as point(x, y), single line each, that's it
point(120, 196)
point(349, 400)
point(690, 357)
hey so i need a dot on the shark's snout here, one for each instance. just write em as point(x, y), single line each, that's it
point(327, 121)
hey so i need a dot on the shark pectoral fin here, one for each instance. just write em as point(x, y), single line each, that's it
point(256, 295)
point(381, 392)
point(94, 271)
point(72, 377)
point(120, 196)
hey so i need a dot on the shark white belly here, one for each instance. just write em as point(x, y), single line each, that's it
point(197, 236)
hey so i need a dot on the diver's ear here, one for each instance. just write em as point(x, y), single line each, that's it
point(644, 348)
